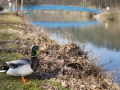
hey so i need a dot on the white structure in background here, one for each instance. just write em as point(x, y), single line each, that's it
point(9, 3)
point(107, 8)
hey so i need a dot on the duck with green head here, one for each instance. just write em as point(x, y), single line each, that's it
point(22, 67)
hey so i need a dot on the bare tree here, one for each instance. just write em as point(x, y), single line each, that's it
point(116, 4)
point(19, 6)
point(84, 3)
point(22, 8)
point(16, 6)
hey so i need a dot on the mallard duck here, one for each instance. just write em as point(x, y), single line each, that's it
point(22, 67)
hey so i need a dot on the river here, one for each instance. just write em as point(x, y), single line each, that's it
point(100, 37)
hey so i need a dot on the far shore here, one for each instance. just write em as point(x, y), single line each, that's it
point(112, 15)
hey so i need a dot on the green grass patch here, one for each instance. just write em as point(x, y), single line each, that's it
point(6, 56)
point(12, 45)
point(9, 19)
point(59, 86)
point(7, 36)
point(8, 26)
point(9, 44)
point(15, 83)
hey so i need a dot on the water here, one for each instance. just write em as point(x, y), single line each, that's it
point(102, 37)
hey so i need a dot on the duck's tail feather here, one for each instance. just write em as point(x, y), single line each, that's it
point(4, 68)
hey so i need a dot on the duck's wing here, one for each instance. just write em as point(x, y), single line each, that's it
point(20, 61)
point(16, 63)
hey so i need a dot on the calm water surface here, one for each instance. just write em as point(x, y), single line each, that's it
point(103, 38)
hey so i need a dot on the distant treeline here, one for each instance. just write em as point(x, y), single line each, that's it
point(96, 3)
point(86, 3)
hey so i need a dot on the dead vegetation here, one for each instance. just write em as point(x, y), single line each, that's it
point(111, 15)
point(67, 64)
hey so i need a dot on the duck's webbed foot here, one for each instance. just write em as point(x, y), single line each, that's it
point(24, 80)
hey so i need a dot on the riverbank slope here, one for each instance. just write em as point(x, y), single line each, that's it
point(112, 15)
point(62, 67)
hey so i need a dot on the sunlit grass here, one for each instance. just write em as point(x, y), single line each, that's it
point(12, 45)
point(6, 56)
point(59, 86)
point(6, 35)
point(8, 26)
point(15, 83)
point(9, 19)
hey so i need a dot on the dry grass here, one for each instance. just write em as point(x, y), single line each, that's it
point(9, 19)
point(111, 15)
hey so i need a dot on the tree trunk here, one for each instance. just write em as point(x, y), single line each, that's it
point(85, 2)
point(22, 10)
point(96, 4)
point(110, 3)
point(100, 4)
point(19, 5)
point(116, 4)
point(13, 5)
point(16, 5)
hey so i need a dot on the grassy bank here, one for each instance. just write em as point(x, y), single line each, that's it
point(112, 15)
point(65, 67)
point(13, 31)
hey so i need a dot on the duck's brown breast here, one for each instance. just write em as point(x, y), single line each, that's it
point(34, 63)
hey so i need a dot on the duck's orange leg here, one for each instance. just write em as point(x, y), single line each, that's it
point(24, 80)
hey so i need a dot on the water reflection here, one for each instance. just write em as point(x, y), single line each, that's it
point(100, 36)
point(65, 24)
point(55, 16)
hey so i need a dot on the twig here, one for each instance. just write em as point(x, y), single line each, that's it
point(106, 63)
